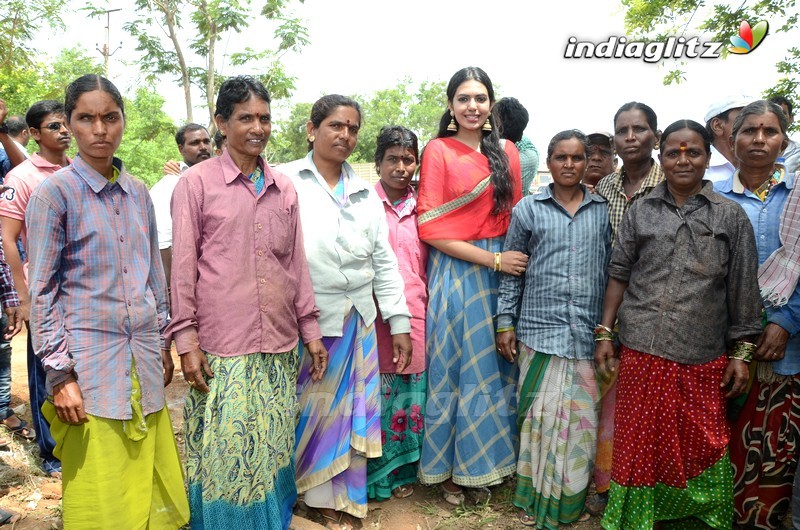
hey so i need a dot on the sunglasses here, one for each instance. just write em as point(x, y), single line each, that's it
point(54, 126)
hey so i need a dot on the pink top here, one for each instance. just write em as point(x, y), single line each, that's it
point(240, 280)
point(412, 257)
point(23, 179)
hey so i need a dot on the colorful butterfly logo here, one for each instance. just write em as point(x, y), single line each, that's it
point(748, 38)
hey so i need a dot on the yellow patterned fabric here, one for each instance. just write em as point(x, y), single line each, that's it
point(240, 443)
point(762, 191)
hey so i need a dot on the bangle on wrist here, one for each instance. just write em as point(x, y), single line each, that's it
point(498, 261)
point(504, 329)
point(743, 351)
point(600, 335)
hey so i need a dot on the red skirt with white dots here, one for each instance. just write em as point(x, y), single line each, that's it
point(670, 457)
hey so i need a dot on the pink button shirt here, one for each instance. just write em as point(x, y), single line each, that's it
point(412, 257)
point(240, 280)
point(22, 180)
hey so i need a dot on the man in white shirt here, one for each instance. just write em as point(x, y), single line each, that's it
point(719, 122)
point(19, 133)
point(14, 136)
point(194, 144)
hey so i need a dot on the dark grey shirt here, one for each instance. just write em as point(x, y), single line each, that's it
point(692, 275)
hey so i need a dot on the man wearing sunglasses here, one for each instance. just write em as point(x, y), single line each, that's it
point(48, 127)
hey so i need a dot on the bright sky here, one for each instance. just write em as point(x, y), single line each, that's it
point(359, 46)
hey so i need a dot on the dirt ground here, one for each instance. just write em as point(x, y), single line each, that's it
point(26, 490)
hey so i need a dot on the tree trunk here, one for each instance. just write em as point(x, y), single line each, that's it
point(210, 92)
point(187, 93)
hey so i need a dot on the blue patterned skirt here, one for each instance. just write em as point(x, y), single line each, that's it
point(340, 421)
point(470, 421)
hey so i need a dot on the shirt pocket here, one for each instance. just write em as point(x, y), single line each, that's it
point(279, 240)
point(710, 255)
point(408, 255)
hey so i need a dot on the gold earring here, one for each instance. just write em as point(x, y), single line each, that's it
point(487, 126)
point(311, 138)
point(452, 126)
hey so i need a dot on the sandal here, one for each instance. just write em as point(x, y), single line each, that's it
point(21, 431)
point(342, 521)
point(527, 520)
point(596, 504)
point(403, 492)
point(456, 498)
point(7, 517)
point(480, 495)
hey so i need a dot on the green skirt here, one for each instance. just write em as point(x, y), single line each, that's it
point(402, 427)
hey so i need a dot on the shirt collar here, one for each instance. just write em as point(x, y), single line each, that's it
point(409, 195)
point(382, 193)
point(652, 179)
point(733, 184)
point(22, 148)
point(230, 171)
point(306, 165)
point(661, 192)
point(546, 193)
point(719, 160)
point(41, 162)
point(95, 180)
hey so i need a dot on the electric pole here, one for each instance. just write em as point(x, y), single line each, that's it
point(105, 50)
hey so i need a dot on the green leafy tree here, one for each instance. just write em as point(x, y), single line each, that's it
point(19, 22)
point(417, 108)
point(149, 138)
point(659, 19)
point(184, 47)
point(157, 59)
point(288, 139)
point(26, 84)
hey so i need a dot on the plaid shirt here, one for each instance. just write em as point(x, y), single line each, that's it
point(610, 188)
point(98, 291)
point(8, 295)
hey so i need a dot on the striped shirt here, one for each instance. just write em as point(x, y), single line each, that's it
point(97, 286)
point(765, 218)
point(562, 296)
point(610, 187)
